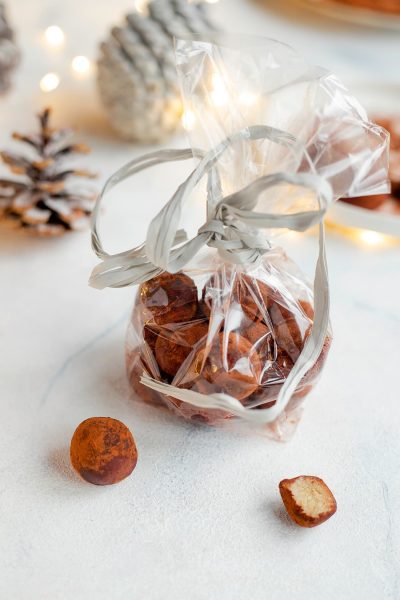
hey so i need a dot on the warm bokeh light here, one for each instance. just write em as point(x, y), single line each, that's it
point(371, 238)
point(54, 36)
point(219, 95)
point(49, 82)
point(141, 6)
point(188, 120)
point(248, 98)
point(81, 65)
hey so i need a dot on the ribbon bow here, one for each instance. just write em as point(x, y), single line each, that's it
point(233, 228)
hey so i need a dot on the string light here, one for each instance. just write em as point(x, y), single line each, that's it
point(188, 120)
point(142, 6)
point(218, 94)
point(54, 36)
point(49, 82)
point(81, 65)
point(248, 98)
point(371, 238)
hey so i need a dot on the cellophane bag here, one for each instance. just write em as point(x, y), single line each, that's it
point(232, 324)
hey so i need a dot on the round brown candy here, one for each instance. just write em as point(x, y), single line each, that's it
point(171, 298)
point(279, 314)
point(210, 416)
point(232, 366)
point(289, 338)
point(369, 202)
point(173, 347)
point(136, 367)
point(203, 310)
point(255, 296)
point(272, 380)
point(313, 373)
point(307, 309)
point(260, 337)
point(394, 173)
point(392, 125)
point(103, 451)
point(218, 290)
point(150, 334)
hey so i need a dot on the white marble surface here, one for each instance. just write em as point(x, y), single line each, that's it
point(200, 517)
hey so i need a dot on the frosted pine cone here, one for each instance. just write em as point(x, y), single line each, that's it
point(9, 53)
point(41, 200)
point(137, 78)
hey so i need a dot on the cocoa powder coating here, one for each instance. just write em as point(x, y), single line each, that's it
point(103, 451)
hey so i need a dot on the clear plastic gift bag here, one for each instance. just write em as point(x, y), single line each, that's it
point(225, 328)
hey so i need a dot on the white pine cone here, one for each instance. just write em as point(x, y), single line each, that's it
point(137, 77)
point(9, 53)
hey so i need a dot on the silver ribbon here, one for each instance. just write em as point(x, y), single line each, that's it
point(232, 228)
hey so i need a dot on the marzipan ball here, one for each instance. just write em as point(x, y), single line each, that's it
point(279, 313)
point(313, 373)
point(173, 347)
point(136, 366)
point(307, 309)
point(272, 380)
point(150, 334)
point(255, 297)
point(260, 337)
point(231, 365)
point(103, 451)
point(288, 337)
point(196, 414)
point(171, 298)
point(219, 291)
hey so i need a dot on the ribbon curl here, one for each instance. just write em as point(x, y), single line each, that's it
point(233, 228)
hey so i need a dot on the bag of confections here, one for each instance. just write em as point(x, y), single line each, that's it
point(226, 329)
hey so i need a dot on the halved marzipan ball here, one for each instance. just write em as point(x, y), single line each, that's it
point(308, 500)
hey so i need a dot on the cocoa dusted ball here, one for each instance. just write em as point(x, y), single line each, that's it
point(173, 347)
point(171, 298)
point(289, 338)
point(103, 451)
point(150, 334)
point(261, 338)
point(307, 309)
point(136, 367)
point(255, 296)
point(232, 365)
point(313, 373)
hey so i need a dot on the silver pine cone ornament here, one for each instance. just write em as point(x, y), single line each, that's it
point(42, 199)
point(137, 77)
point(9, 53)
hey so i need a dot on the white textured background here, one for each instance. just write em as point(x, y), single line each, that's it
point(201, 516)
